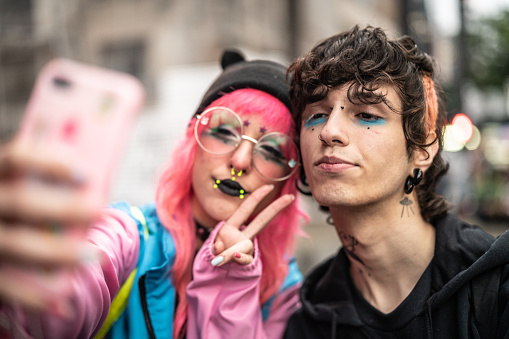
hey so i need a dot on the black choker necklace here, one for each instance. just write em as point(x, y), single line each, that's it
point(202, 232)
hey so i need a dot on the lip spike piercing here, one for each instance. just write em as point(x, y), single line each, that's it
point(241, 192)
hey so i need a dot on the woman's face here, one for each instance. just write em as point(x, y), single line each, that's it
point(215, 195)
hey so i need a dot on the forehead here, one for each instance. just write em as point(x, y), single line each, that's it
point(258, 107)
point(267, 122)
point(384, 95)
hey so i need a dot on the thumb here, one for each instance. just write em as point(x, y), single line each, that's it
point(218, 246)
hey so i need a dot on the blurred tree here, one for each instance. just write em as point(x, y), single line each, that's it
point(488, 41)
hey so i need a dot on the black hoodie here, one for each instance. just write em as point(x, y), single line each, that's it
point(464, 293)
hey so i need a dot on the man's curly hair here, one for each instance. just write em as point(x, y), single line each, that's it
point(365, 60)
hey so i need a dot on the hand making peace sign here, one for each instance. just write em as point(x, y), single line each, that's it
point(236, 243)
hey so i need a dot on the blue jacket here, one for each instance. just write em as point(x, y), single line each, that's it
point(151, 306)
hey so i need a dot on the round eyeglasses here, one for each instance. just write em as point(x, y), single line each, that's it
point(219, 130)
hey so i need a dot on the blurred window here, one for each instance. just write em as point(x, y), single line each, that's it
point(126, 56)
point(15, 18)
point(17, 75)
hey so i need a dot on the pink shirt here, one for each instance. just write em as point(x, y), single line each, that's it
point(223, 301)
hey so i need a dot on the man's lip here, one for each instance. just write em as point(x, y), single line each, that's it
point(328, 160)
point(333, 164)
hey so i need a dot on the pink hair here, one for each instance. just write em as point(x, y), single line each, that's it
point(276, 242)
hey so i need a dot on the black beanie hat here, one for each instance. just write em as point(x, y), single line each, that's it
point(263, 75)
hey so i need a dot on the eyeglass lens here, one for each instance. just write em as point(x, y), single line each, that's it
point(219, 131)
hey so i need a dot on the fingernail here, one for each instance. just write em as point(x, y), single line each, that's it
point(237, 255)
point(88, 254)
point(271, 186)
point(217, 260)
point(293, 196)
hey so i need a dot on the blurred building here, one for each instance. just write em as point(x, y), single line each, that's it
point(146, 37)
point(174, 46)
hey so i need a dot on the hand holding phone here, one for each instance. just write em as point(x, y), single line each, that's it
point(82, 115)
point(77, 121)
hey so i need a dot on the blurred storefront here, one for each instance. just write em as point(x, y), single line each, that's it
point(490, 173)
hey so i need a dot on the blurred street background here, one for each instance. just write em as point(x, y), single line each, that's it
point(174, 46)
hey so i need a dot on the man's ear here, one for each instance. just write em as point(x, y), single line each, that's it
point(423, 158)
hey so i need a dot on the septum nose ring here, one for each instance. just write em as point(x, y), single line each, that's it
point(233, 173)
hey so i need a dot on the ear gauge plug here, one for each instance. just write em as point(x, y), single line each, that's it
point(411, 182)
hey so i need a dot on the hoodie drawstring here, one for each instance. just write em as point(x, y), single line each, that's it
point(429, 321)
point(334, 326)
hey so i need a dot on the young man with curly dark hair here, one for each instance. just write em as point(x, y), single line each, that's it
point(371, 117)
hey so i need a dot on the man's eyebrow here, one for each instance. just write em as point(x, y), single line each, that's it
point(381, 97)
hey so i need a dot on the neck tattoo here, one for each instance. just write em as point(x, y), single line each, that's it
point(202, 232)
point(407, 205)
point(349, 243)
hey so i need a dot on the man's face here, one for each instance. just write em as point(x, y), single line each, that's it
point(362, 159)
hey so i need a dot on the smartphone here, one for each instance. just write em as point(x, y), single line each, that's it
point(83, 114)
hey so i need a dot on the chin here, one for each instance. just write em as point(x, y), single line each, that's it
point(222, 210)
point(325, 196)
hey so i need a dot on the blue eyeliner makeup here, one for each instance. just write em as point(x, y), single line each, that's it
point(376, 122)
point(314, 121)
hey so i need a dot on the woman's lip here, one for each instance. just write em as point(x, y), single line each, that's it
point(230, 187)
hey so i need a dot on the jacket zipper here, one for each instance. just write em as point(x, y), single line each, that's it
point(143, 299)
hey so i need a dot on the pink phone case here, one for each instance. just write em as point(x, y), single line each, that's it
point(84, 114)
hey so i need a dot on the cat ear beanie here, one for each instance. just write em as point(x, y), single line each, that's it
point(263, 75)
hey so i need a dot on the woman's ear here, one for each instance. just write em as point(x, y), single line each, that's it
point(423, 158)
